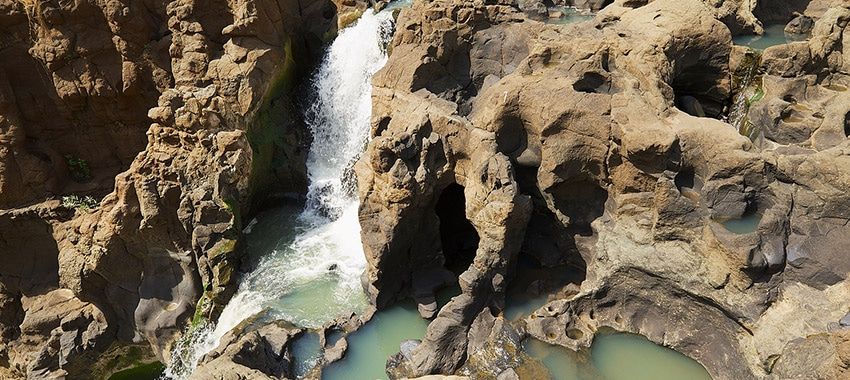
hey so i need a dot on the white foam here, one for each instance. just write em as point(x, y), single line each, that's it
point(316, 277)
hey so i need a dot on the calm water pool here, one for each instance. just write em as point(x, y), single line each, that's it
point(519, 305)
point(571, 16)
point(150, 371)
point(773, 35)
point(371, 346)
point(616, 356)
point(747, 224)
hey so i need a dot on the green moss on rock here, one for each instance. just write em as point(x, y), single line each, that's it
point(277, 145)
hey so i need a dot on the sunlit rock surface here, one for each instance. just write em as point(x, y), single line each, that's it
point(605, 143)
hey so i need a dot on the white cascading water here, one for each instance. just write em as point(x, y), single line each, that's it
point(315, 278)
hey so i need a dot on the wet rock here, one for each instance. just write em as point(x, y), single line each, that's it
point(508, 374)
point(427, 309)
point(256, 353)
point(692, 106)
point(594, 5)
point(534, 8)
point(407, 347)
point(348, 11)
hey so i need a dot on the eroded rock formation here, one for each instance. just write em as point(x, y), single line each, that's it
point(603, 144)
point(603, 148)
point(176, 114)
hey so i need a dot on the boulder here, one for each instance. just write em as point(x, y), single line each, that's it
point(254, 353)
point(801, 24)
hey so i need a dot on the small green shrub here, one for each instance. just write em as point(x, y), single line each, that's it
point(85, 203)
point(79, 168)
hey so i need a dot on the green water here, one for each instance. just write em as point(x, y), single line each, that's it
point(745, 225)
point(571, 16)
point(562, 363)
point(371, 346)
point(519, 305)
point(305, 352)
point(312, 304)
point(150, 371)
point(446, 294)
point(307, 271)
point(773, 35)
point(272, 228)
point(616, 356)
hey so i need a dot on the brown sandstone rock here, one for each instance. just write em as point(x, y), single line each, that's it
point(85, 80)
point(583, 139)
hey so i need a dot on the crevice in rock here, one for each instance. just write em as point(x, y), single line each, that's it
point(685, 179)
point(774, 12)
point(693, 89)
point(11, 317)
point(847, 125)
point(511, 136)
point(581, 200)
point(593, 82)
point(532, 278)
point(699, 80)
point(458, 237)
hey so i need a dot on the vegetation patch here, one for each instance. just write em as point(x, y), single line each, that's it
point(276, 142)
point(125, 362)
point(84, 203)
point(148, 371)
point(79, 168)
point(748, 83)
point(199, 317)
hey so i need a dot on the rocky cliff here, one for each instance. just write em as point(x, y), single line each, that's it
point(134, 138)
point(606, 146)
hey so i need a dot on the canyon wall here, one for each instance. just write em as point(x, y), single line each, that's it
point(137, 136)
point(134, 138)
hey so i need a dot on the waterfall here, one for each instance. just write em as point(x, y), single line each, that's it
point(747, 91)
point(314, 277)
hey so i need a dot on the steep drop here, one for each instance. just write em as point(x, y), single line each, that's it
point(312, 276)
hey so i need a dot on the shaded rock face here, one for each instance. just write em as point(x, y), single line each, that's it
point(179, 113)
point(76, 81)
point(586, 143)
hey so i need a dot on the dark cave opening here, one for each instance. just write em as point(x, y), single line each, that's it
point(458, 237)
point(772, 12)
point(685, 179)
point(698, 96)
point(698, 82)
